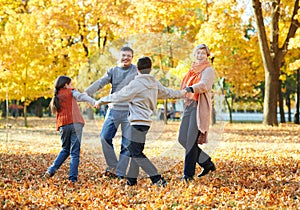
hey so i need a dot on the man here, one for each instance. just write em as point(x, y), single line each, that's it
point(117, 114)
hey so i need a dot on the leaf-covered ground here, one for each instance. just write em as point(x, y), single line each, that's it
point(257, 168)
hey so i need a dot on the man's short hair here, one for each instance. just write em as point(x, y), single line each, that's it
point(144, 65)
point(126, 48)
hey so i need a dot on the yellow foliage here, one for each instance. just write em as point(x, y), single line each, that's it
point(50, 38)
point(236, 59)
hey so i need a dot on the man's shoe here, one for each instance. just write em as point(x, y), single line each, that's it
point(48, 175)
point(207, 167)
point(71, 183)
point(187, 179)
point(161, 183)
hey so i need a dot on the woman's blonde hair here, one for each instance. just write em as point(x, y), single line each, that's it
point(202, 46)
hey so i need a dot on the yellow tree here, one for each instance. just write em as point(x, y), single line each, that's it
point(27, 53)
point(293, 69)
point(56, 30)
point(182, 18)
point(83, 28)
point(86, 26)
point(236, 57)
point(277, 22)
point(7, 8)
point(25, 56)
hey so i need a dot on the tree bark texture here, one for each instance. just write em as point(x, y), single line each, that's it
point(281, 105)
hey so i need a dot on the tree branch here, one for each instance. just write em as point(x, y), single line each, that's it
point(275, 30)
point(266, 56)
point(292, 31)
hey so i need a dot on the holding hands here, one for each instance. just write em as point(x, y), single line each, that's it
point(189, 89)
point(98, 103)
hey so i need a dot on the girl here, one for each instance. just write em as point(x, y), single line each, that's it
point(69, 123)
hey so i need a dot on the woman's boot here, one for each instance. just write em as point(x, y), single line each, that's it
point(207, 167)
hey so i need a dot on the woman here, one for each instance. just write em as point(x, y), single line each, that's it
point(196, 117)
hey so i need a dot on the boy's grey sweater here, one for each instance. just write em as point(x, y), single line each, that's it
point(142, 94)
point(118, 77)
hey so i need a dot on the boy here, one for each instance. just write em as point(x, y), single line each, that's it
point(142, 94)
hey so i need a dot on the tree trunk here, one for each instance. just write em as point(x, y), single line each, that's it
point(271, 76)
point(90, 113)
point(297, 120)
point(25, 115)
point(270, 100)
point(229, 109)
point(280, 100)
point(3, 109)
point(213, 119)
point(288, 104)
point(39, 109)
point(166, 111)
point(223, 85)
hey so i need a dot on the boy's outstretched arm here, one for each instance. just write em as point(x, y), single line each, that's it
point(164, 92)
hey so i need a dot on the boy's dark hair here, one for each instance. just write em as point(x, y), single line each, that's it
point(126, 48)
point(60, 82)
point(144, 65)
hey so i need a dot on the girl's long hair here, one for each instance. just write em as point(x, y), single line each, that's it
point(60, 82)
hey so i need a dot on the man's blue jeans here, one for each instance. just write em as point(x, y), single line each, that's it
point(71, 141)
point(113, 119)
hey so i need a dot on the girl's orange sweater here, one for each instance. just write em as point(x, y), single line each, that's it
point(69, 110)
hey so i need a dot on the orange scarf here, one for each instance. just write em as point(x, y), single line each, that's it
point(192, 77)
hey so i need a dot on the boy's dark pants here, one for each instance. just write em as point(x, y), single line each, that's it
point(138, 158)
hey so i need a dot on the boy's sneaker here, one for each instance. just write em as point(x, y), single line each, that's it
point(110, 172)
point(161, 183)
point(131, 181)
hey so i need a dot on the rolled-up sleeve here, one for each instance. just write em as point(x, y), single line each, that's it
point(100, 83)
point(82, 97)
point(206, 82)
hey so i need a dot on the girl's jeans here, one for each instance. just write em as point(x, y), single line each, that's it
point(71, 140)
